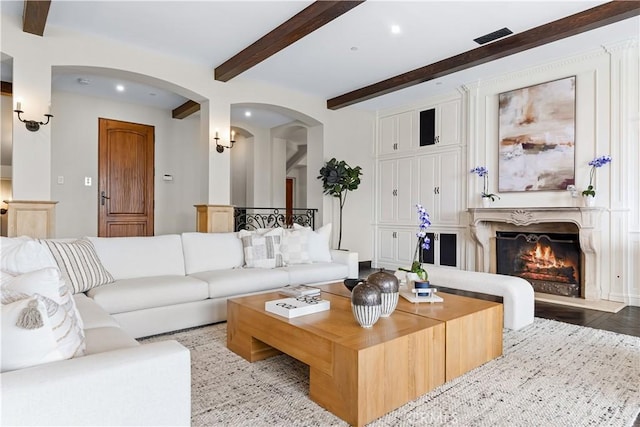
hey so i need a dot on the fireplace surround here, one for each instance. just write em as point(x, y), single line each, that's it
point(485, 223)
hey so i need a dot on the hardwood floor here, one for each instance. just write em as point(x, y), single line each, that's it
point(626, 321)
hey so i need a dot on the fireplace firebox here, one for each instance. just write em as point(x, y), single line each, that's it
point(551, 262)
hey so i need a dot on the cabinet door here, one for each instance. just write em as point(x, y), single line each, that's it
point(428, 182)
point(405, 203)
point(406, 245)
point(405, 131)
point(427, 127)
point(387, 188)
point(449, 123)
point(448, 249)
point(448, 188)
point(388, 127)
point(386, 245)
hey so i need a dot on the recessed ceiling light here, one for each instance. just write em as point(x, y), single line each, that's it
point(354, 48)
point(83, 81)
point(120, 88)
point(247, 113)
point(395, 29)
point(152, 94)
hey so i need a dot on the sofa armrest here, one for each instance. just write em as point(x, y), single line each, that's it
point(145, 385)
point(348, 258)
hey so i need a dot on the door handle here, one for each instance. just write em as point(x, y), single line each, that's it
point(103, 197)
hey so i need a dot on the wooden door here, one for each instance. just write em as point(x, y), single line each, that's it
point(125, 175)
point(289, 202)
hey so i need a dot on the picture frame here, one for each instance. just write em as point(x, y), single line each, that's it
point(536, 134)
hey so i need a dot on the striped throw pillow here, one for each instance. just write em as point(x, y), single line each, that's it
point(79, 264)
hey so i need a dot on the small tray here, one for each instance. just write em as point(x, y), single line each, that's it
point(412, 295)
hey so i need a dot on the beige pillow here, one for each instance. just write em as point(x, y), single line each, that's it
point(262, 249)
point(79, 264)
point(318, 243)
point(295, 246)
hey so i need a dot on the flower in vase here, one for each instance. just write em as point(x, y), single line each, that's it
point(424, 242)
point(598, 162)
point(483, 173)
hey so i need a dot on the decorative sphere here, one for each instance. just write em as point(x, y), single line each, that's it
point(366, 294)
point(387, 282)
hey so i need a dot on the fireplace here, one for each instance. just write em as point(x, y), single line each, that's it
point(583, 222)
point(549, 261)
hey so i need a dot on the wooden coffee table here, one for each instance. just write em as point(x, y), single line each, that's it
point(356, 373)
point(473, 327)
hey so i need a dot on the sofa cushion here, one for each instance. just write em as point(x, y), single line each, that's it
point(228, 283)
point(93, 316)
point(21, 347)
point(148, 292)
point(211, 251)
point(19, 255)
point(131, 257)
point(316, 272)
point(79, 264)
point(262, 249)
point(100, 340)
point(318, 242)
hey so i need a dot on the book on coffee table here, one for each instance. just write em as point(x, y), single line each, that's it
point(294, 307)
point(299, 290)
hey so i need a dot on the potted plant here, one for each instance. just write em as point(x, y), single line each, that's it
point(483, 173)
point(338, 178)
point(422, 243)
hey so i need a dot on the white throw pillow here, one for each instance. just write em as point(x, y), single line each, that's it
point(23, 347)
point(295, 246)
point(318, 243)
point(19, 255)
point(61, 309)
point(262, 249)
point(79, 264)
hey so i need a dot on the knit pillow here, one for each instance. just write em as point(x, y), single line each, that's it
point(79, 264)
point(262, 249)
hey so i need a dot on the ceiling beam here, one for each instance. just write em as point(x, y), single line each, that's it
point(185, 110)
point(587, 20)
point(305, 22)
point(34, 16)
point(6, 88)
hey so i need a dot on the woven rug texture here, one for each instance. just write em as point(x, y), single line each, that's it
point(550, 374)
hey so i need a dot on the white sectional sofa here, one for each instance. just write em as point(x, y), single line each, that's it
point(162, 283)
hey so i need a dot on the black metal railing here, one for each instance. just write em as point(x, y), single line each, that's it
point(248, 218)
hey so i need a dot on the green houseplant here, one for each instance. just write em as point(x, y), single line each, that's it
point(338, 178)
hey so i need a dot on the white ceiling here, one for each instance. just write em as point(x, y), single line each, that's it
point(354, 50)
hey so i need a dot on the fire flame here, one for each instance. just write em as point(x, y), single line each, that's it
point(544, 257)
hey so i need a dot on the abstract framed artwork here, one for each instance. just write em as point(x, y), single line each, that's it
point(537, 137)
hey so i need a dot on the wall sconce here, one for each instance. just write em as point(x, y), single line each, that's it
point(32, 125)
point(219, 147)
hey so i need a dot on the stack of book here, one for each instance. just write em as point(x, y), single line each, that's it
point(299, 291)
point(302, 300)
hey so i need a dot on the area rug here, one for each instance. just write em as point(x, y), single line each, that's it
point(550, 374)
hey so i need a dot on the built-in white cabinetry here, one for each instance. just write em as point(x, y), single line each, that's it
point(395, 247)
point(397, 190)
point(419, 160)
point(439, 177)
point(440, 124)
point(396, 133)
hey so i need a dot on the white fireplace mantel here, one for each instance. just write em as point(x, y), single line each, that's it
point(484, 222)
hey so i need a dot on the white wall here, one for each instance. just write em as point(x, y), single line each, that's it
point(178, 152)
point(34, 57)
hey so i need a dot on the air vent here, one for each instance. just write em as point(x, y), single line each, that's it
point(493, 36)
